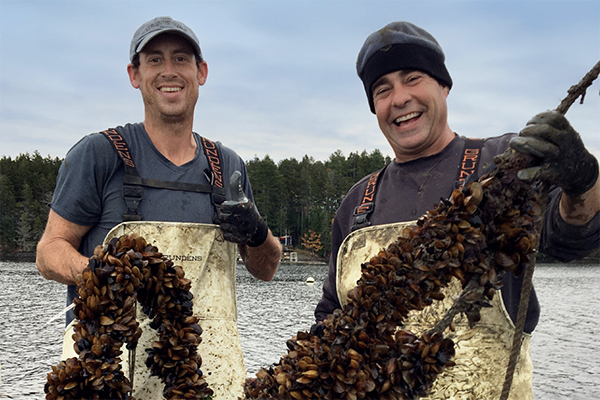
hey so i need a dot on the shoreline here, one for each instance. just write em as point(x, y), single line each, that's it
point(304, 262)
point(30, 257)
point(18, 257)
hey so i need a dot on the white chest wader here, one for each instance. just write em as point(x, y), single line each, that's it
point(482, 352)
point(210, 263)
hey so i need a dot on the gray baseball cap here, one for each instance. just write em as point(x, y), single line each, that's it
point(158, 26)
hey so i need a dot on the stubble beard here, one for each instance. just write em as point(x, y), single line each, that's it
point(165, 116)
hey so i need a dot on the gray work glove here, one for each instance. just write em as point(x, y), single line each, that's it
point(564, 160)
point(239, 219)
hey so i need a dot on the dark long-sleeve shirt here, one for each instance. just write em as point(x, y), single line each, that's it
point(405, 191)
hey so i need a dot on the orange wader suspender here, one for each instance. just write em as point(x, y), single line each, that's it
point(133, 184)
point(468, 166)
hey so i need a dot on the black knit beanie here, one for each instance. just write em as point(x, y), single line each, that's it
point(397, 46)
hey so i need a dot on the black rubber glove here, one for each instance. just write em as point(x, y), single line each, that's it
point(564, 160)
point(318, 329)
point(239, 219)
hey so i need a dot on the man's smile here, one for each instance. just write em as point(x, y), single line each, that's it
point(407, 117)
point(170, 89)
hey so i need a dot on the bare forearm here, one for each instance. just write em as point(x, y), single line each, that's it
point(579, 210)
point(262, 261)
point(57, 257)
point(59, 261)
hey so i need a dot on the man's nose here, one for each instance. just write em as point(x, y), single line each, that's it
point(169, 69)
point(400, 97)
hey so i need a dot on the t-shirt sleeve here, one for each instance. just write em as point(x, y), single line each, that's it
point(81, 177)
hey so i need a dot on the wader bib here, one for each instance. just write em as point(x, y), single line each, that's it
point(209, 263)
point(482, 352)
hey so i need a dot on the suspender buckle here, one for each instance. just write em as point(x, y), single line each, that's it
point(360, 215)
point(132, 195)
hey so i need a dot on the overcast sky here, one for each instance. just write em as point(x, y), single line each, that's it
point(282, 78)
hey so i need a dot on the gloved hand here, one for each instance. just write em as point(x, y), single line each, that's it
point(318, 329)
point(239, 219)
point(564, 160)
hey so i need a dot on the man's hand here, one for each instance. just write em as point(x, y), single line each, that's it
point(318, 329)
point(239, 219)
point(564, 160)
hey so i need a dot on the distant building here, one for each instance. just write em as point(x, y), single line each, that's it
point(285, 240)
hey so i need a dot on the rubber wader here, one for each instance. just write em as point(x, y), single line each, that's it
point(482, 352)
point(210, 263)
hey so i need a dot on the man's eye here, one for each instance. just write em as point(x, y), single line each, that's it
point(413, 78)
point(381, 90)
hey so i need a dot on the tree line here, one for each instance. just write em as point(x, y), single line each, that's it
point(26, 187)
point(298, 199)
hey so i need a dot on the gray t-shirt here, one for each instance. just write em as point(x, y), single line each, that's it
point(89, 187)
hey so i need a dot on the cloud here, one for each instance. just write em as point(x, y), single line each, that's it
point(282, 77)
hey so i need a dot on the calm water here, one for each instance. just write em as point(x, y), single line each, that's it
point(565, 345)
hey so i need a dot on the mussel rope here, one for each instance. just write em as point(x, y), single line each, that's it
point(522, 311)
point(574, 91)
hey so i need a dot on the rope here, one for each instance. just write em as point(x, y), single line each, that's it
point(521, 317)
point(574, 92)
point(524, 299)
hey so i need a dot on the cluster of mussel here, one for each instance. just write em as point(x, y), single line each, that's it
point(483, 230)
point(118, 274)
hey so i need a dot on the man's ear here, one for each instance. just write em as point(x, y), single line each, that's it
point(132, 72)
point(202, 73)
point(445, 90)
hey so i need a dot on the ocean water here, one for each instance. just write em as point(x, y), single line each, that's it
point(565, 345)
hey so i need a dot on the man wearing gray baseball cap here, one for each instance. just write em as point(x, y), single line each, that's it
point(158, 26)
point(402, 67)
point(182, 192)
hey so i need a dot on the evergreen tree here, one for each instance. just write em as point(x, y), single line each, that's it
point(290, 206)
point(26, 187)
point(266, 187)
point(295, 197)
point(8, 226)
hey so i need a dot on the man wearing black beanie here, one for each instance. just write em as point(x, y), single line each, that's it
point(403, 71)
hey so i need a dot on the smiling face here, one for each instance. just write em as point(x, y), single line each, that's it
point(412, 113)
point(168, 77)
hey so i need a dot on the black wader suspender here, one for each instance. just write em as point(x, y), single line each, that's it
point(214, 173)
point(468, 166)
point(469, 161)
point(361, 213)
point(133, 184)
